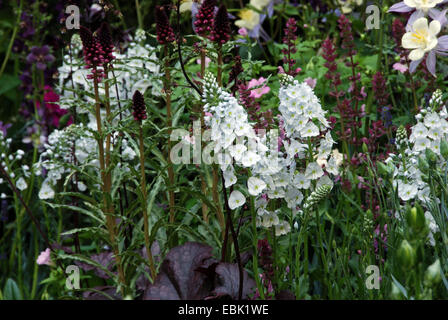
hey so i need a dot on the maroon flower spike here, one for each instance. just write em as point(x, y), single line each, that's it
point(204, 18)
point(380, 89)
point(165, 33)
point(221, 26)
point(93, 53)
point(346, 35)
point(105, 39)
point(139, 107)
point(289, 39)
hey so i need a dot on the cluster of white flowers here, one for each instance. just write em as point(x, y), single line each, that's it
point(274, 172)
point(428, 133)
point(304, 122)
point(11, 162)
point(229, 130)
point(431, 128)
point(63, 147)
point(134, 69)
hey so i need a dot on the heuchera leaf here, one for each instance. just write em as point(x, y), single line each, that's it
point(181, 276)
point(229, 280)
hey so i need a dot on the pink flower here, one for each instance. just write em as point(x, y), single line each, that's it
point(400, 67)
point(311, 82)
point(258, 91)
point(243, 32)
point(44, 258)
point(207, 61)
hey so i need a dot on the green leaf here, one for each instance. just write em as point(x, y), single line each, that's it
point(11, 291)
point(8, 82)
point(400, 287)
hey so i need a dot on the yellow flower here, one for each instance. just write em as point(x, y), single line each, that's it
point(249, 19)
point(347, 5)
point(186, 5)
point(422, 38)
point(259, 4)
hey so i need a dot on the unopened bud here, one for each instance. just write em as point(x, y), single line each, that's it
point(406, 255)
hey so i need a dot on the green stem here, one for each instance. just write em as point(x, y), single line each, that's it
point(11, 42)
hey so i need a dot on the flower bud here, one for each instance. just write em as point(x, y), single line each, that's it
point(431, 157)
point(406, 255)
point(432, 274)
point(365, 149)
point(423, 164)
point(444, 149)
point(383, 169)
point(416, 218)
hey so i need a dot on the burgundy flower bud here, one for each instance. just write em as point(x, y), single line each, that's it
point(93, 53)
point(221, 26)
point(165, 33)
point(105, 39)
point(139, 108)
point(204, 18)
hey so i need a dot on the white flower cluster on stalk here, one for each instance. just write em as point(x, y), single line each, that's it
point(136, 68)
point(307, 140)
point(428, 133)
point(274, 172)
point(12, 164)
point(74, 143)
point(408, 167)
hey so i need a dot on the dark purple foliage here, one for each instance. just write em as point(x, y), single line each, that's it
point(228, 282)
point(189, 272)
point(182, 275)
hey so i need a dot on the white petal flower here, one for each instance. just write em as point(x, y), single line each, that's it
point(250, 158)
point(309, 130)
point(269, 220)
point(236, 200)
point(313, 171)
point(46, 191)
point(21, 184)
point(422, 38)
point(282, 229)
point(255, 186)
point(301, 181)
point(407, 191)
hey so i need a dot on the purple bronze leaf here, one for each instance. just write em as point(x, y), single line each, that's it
point(182, 276)
point(228, 281)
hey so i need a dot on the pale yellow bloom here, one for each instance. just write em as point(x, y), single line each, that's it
point(347, 5)
point(423, 5)
point(187, 4)
point(249, 19)
point(259, 4)
point(422, 38)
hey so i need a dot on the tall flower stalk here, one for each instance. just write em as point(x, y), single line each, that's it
point(94, 58)
point(165, 36)
point(220, 35)
point(139, 114)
